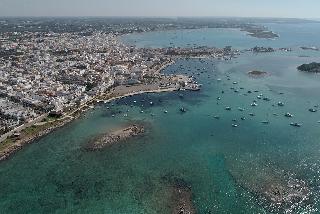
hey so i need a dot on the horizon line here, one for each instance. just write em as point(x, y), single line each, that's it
point(169, 17)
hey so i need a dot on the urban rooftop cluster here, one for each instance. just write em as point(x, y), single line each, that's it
point(49, 72)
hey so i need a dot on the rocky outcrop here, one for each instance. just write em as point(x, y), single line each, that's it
point(256, 73)
point(181, 195)
point(115, 137)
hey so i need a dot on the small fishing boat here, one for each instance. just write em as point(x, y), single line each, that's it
point(288, 115)
point(254, 104)
point(183, 110)
point(265, 122)
point(280, 104)
point(296, 124)
point(216, 117)
point(228, 108)
point(313, 110)
point(241, 109)
point(234, 125)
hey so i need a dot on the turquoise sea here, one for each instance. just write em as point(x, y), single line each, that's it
point(229, 169)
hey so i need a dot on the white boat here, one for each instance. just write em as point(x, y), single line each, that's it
point(288, 115)
point(313, 110)
point(241, 109)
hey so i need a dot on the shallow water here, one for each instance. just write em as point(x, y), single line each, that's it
point(227, 168)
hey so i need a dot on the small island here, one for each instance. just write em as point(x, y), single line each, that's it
point(313, 67)
point(115, 137)
point(256, 73)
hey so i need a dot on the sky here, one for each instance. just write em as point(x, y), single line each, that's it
point(156, 8)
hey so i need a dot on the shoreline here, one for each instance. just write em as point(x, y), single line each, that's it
point(9, 151)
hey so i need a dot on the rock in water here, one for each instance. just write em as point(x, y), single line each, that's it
point(115, 137)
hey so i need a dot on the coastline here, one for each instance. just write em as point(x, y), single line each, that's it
point(31, 132)
point(8, 151)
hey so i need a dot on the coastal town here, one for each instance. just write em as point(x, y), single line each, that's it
point(46, 74)
point(159, 115)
